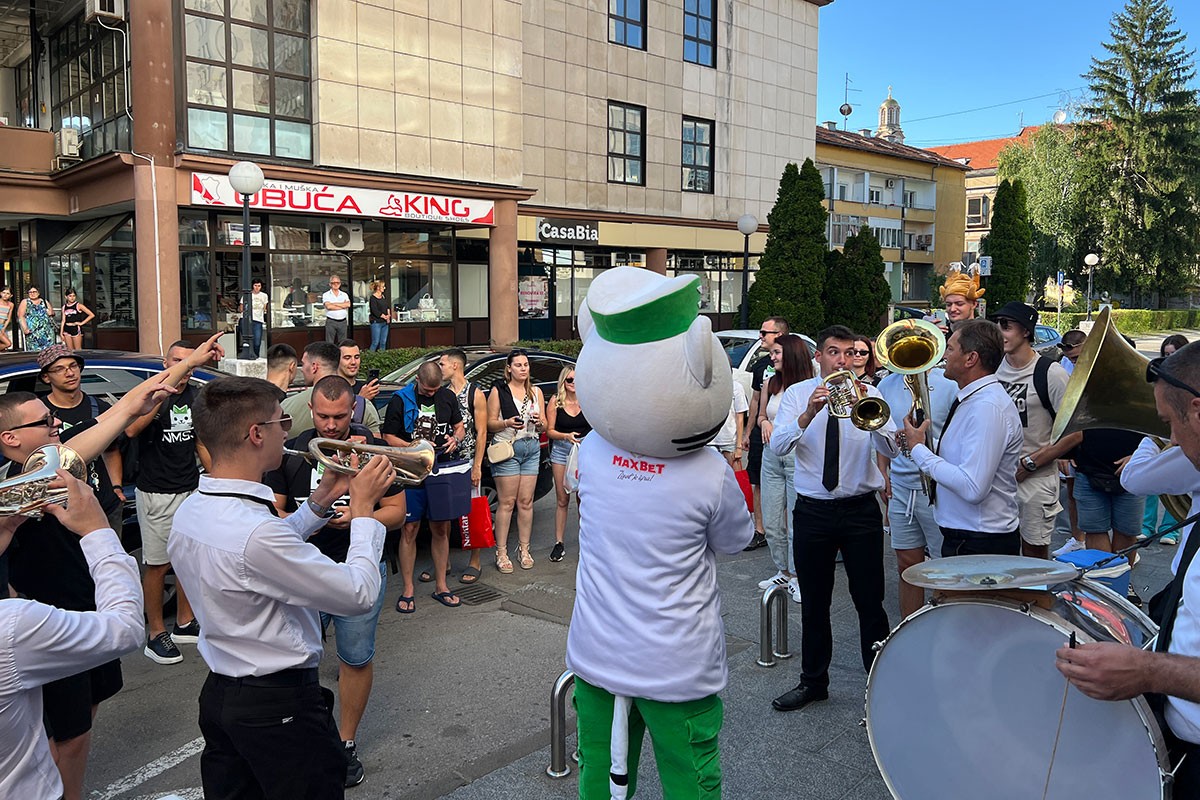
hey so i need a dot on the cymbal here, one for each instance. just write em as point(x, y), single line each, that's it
point(983, 573)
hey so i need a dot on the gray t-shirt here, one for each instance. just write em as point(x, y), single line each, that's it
point(1035, 419)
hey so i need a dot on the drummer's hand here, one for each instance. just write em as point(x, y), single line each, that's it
point(914, 434)
point(1105, 670)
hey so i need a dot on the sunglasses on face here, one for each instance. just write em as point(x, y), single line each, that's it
point(569, 380)
point(863, 353)
point(1065, 346)
point(1155, 371)
point(47, 421)
point(768, 333)
point(285, 424)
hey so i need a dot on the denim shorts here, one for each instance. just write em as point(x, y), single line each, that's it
point(527, 453)
point(1100, 511)
point(560, 451)
point(355, 636)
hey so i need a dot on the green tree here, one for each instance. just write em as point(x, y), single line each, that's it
point(791, 272)
point(1143, 140)
point(1008, 245)
point(857, 292)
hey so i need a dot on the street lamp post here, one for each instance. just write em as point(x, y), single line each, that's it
point(246, 179)
point(746, 224)
point(1091, 259)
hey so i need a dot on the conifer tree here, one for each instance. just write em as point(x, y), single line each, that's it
point(857, 292)
point(1008, 245)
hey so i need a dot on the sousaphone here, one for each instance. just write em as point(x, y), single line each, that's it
point(1108, 389)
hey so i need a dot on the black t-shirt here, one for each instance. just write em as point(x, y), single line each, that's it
point(378, 307)
point(760, 372)
point(167, 448)
point(437, 414)
point(81, 417)
point(1103, 446)
point(297, 479)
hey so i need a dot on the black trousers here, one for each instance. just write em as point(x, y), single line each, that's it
point(270, 737)
point(959, 542)
point(822, 528)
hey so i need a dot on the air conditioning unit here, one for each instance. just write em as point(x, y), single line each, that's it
point(890, 183)
point(112, 10)
point(66, 143)
point(343, 236)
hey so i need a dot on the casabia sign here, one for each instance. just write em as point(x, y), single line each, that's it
point(344, 201)
point(568, 231)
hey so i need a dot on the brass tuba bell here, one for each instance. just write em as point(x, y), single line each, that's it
point(912, 347)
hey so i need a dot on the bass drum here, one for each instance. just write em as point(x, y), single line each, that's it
point(963, 701)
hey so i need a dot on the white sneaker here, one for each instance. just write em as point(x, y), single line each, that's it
point(779, 579)
point(794, 590)
point(1071, 546)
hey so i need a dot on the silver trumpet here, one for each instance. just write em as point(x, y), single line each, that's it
point(29, 493)
point(412, 464)
point(849, 400)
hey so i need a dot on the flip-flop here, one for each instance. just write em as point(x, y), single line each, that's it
point(412, 604)
point(427, 577)
point(470, 575)
point(444, 599)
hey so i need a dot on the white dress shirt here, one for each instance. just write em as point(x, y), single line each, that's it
point(40, 644)
point(857, 474)
point(335, 297)
point(257, 586)
point(976, 464)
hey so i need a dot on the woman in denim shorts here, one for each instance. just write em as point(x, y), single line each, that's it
point(515, 415)
point(1103, 505)
point(566, 426)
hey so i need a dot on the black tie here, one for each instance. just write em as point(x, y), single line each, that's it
point(829, 473)
point(945, 427)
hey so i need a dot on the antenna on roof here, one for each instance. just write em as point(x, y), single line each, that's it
point(847, 109)
point(1060, 117)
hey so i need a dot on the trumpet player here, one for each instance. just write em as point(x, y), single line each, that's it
point(332, 408)
point(974, 465)
point(47, 563)
point(836, 479)
point(257, 586)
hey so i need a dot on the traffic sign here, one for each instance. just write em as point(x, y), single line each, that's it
point(985, 266)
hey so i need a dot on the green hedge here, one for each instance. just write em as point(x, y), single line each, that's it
point(1135, 320)
point(388, 360)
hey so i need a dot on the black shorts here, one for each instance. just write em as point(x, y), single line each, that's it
point(754, 460)
point(67, 702)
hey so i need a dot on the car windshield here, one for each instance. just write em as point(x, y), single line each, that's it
point(736, 348)
point(1043, 334)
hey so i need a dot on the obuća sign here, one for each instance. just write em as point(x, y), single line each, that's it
point(567, 231)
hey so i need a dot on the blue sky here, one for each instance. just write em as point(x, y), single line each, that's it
point(941, 57)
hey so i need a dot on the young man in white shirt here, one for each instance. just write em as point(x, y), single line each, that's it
point(1036, 385)
point(836, 479)
point(337, 311)
point(975, 464)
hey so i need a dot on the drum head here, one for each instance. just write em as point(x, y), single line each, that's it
point(964, 699)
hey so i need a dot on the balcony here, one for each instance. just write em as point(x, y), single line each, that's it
point(26, 150)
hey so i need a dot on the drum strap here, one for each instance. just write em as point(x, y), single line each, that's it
point(1163, 608)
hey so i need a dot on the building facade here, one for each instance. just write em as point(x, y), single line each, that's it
point(484, 159)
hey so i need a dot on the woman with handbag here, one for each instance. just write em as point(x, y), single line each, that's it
point(515, 417)
point(565, 426)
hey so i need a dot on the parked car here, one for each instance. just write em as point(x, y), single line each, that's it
point(744, 347)
point(1046, 342)
point(485, 367)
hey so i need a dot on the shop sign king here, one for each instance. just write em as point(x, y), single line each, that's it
point(344, 201)
point(567, 231)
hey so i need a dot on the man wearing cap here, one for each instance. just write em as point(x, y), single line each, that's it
point(961, 295)
point(62, 371)
point(1036, 385)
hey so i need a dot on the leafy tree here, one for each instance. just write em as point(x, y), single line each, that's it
point(1143, 140)
point(1008, 245)
point(857, 292)
point(791, 272)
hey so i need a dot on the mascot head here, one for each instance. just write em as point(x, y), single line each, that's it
point(651, 377)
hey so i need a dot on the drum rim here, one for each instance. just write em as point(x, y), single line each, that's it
point(1149, 723)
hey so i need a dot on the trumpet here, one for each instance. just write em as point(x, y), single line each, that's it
point(849, 400)
point(29, 493)
point(412, 464)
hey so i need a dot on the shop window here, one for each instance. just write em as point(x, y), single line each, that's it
point(473, 291)
point(626, 144)
point(700, 32)
point(697, 155)
point(116, 298)
point(195, 290)
point(420, 291)
point(248, 76)
point(193, 231)
point(364, 270)
point(627, 23)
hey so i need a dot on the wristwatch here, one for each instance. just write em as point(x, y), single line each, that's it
point(1029, 464)
point(324, 512)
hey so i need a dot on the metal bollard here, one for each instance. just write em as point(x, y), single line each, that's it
point(768, 652)
point(558, 726)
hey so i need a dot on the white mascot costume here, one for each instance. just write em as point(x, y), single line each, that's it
point(646, 641)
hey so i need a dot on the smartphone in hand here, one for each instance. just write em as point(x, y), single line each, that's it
point(373, 374)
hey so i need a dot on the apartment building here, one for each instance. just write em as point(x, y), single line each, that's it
point(483, 158)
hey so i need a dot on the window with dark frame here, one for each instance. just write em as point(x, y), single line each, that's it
point(627, 23)
point(87, 87)
point(697, 156)
point(626, 144)
point(700, 32)
point(247, 77)
point(977, 211)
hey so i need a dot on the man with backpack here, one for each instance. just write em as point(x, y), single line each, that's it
point(1036, 385)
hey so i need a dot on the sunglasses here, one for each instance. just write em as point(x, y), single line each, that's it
point(569, 380)
point(768, 333)
point(860, 352)
point(1155, 371)
point(47, 421)
point(1065, 346)
point(1005, 323)
point(285, 424)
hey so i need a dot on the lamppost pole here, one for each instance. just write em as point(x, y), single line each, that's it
point(246, 179)
point(747, 224)
point(1091, 260)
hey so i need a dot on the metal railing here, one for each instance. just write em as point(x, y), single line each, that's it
point(775, 596)
point(558, 726)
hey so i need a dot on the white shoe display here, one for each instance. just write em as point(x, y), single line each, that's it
point(794, 590)
point(778, 579)
point(1071, 546)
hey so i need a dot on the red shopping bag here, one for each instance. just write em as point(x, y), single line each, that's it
point(477, 526)
point(743, 479)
